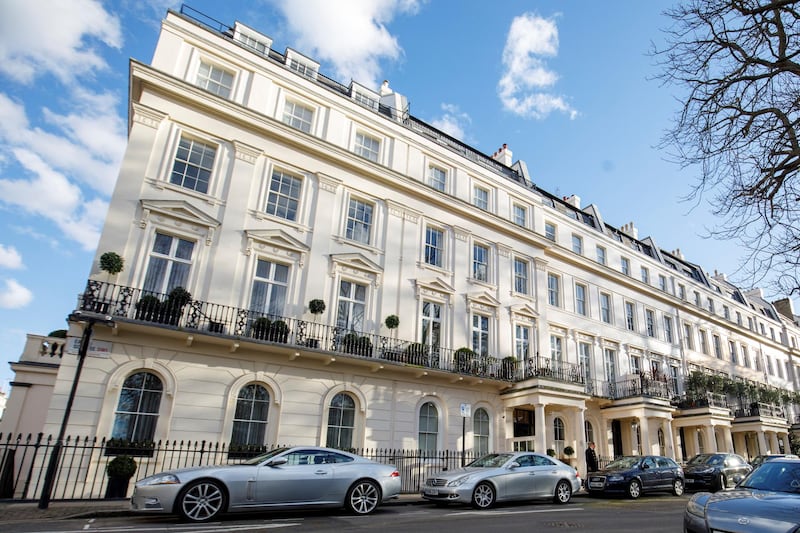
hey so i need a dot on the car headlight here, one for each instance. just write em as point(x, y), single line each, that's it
point(457, 482)
point(695, 508)
point(160, 479)
point(616, 477)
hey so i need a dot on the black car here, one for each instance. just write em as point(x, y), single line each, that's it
point(715, 471)
point(637, 474)
point(767, 501)
point(761, 459)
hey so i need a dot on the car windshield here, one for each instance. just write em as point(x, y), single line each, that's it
point(776, 476)
point(623, 463)
point(703, 459)
point(493, 460)
point(263, 457)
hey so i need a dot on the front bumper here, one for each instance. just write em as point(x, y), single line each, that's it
point(154, 499)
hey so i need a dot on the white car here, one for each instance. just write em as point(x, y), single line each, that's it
point(500, 477)
point(284, 478)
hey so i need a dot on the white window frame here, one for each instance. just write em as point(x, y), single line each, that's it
point(550, 231)
point(350, 232)
point(437, 177)
point(481, 197)
point(367, 151)
point(630, 315)
point(299, 121)
point(519, 214)
point(582, 304)
point(650, 322)
point(280, 195)
point(520, 281)
point(554, 289)
point(625, 265)
point(602, 256)
point(442, 251)
point(208, 82)
point(606, 311)
point(476, 263)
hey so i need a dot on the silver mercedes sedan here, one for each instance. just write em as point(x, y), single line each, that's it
point(499, 477)
point(285, 478)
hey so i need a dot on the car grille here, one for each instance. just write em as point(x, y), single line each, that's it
point(435, 482)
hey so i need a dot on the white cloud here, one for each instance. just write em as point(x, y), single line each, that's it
point(54, 36)
point(524, 88)
point(452, 122)
point(10, 258)
point(14, 295)
point(50, 195)
point(86, 144)
point(349, 34)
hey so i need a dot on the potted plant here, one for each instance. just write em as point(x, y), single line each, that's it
point(551, 452)
point(260, 328)
point(392, 321)
point(112, 263)
point(316, 306)
point(148, 308)
point(173, 307)
point(279, 331)
point(120, 470)
point(416, 353)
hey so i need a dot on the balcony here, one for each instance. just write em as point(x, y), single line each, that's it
point(178, 310)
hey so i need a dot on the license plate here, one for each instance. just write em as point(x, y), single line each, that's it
point(431, 492)
point(596, 485)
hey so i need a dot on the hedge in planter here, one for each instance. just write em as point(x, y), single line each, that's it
point(120, 470)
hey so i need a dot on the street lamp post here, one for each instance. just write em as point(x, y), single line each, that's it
point(89, 319)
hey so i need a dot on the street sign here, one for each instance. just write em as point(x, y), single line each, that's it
point(466, 410)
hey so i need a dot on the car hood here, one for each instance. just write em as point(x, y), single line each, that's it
point(607, 471)
point(697, 468)
point(760, 510)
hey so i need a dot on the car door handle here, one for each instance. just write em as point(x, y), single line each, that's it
point(321, 472)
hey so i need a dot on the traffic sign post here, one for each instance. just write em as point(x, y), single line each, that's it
point(466, 412)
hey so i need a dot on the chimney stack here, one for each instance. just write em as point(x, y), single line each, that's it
point(503, 156)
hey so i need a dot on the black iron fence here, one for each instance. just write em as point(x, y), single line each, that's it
point(82, 471)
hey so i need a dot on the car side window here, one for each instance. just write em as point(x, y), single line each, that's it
point(664, 462)
point(649, 463)
point(525, 460)
point(542, 461)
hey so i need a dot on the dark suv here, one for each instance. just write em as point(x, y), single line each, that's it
point(715, 471)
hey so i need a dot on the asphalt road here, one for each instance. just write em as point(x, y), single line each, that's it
point(650, 514)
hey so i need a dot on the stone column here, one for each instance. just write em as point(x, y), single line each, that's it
point(762, 443)
point(644, 429)
point(540, 425)
point(710, 438)
point(580, 440)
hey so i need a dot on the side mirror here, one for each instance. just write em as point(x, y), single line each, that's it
point(278, 461)
point(513, 465)
point(645, 466)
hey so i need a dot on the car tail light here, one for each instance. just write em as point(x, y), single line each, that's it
point(395, 474)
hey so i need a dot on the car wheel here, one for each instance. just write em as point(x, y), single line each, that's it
point(202, 501)
point(563, 492)
point(677, 487)
point(634, 489)
point(721, 483)
point(363, 497)
point(483, 496)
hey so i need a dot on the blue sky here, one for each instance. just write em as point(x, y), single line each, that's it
point(567, 84)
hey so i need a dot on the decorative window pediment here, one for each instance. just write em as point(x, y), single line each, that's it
point(182, 214)
point(435, 285)
point(275, 241)
point(356, 264)
point(482, 301)
point(524, 311)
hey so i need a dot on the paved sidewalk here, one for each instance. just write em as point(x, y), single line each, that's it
point(59, 510)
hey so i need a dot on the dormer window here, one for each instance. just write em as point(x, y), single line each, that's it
point(364, 96)
point(301, 64)
point(252, 39)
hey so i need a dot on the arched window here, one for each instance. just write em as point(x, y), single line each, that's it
point(137, 411)
point(558, 435)
point(589, 431)
point(250, 418)
point(662, 443)
point(428, 427)
point(480, 430)
point(341, 421)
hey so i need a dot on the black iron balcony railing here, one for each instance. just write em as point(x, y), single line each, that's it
point(641, 385)
point(709, 399)
point(180, 311)
point(759, 409)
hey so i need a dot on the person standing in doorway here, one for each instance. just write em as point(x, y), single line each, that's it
point(591, 459)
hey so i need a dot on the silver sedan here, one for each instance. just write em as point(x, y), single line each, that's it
point(499, 477)
point(283, 478)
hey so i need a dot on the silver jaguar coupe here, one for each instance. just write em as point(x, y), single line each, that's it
point(285, 478)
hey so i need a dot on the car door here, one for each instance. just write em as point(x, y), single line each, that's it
point(546, 476)
point(518, 482)
point(649, 473)
point(667, 471)
point(300, 479)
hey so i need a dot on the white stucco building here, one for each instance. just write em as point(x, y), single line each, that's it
point(258, 185)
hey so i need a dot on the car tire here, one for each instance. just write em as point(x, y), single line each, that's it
point(563, 492)
point(677, 487)
point(720, 483)
point(484, 496)
point(363, 497)
point(202, 501)
point(634, 489)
